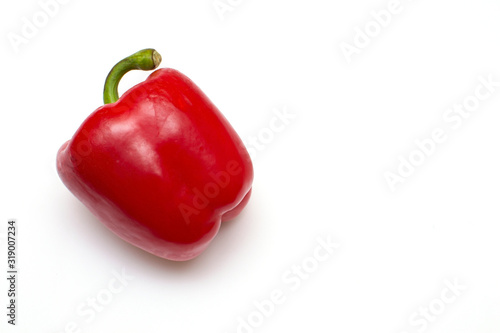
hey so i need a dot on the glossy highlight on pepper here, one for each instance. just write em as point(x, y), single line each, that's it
point(161, 167)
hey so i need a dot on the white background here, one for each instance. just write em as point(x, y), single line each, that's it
point(323, 176)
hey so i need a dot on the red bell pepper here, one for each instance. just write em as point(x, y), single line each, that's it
point(161, 167)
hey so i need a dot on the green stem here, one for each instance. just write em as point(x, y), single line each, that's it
point(145, 60)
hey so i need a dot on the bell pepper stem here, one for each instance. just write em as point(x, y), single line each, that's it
point(147, 59)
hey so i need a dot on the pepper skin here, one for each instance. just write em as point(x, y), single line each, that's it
point(161, 167)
